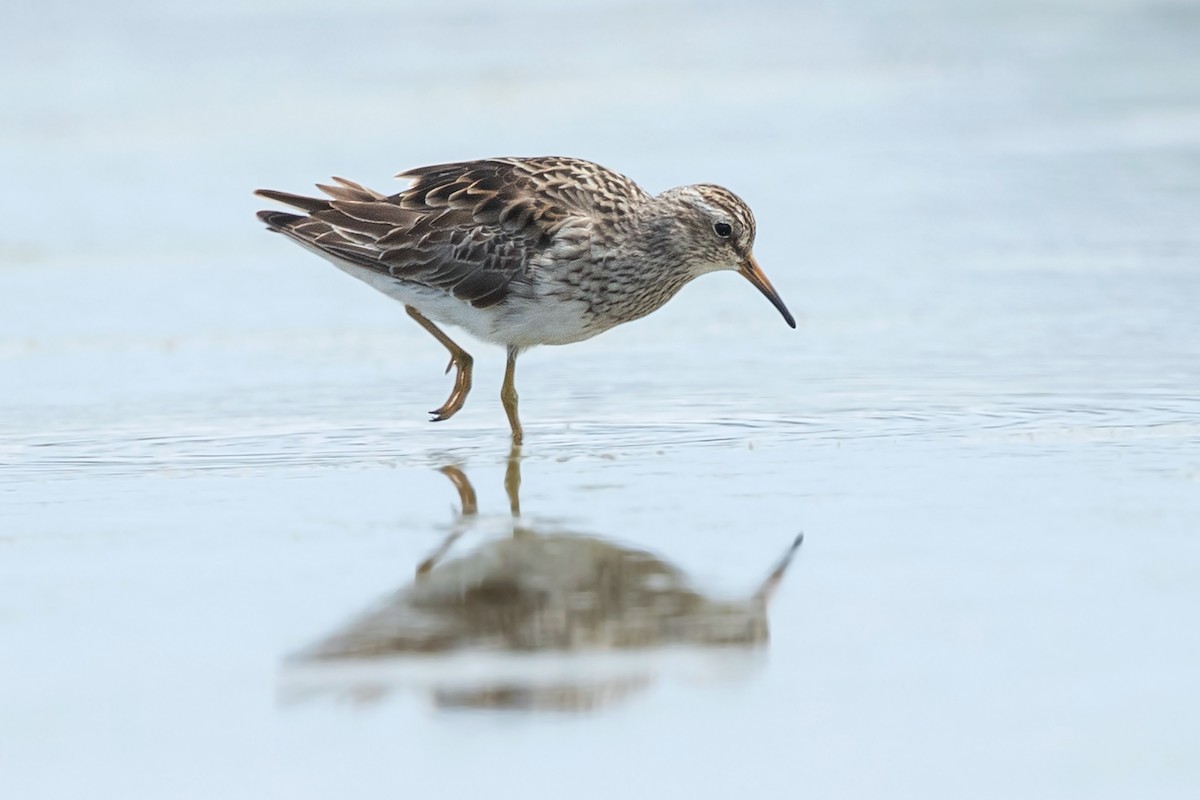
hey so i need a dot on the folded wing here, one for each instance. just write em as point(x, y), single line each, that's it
point(470, 228)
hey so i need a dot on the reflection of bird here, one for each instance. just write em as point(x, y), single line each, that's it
point(556, 591)
point(524, 251)
point(546, 592)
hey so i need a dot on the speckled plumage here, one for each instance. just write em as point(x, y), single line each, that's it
point(524, 251)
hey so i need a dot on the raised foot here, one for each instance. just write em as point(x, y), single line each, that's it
point(462, 362)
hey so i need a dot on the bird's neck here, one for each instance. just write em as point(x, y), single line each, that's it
point(645, 268)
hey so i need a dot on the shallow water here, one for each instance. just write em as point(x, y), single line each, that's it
point(214, 453)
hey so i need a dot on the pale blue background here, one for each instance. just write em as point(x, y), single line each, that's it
point(213, 447)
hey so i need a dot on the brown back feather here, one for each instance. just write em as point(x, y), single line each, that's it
point(470, 228)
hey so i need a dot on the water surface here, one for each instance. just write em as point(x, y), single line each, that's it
point(214, 453)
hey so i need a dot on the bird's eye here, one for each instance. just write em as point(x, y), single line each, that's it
point(723, 229)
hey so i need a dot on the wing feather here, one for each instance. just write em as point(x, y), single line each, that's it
point(471, 228)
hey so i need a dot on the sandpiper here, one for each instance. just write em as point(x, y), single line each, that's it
point(524, 251)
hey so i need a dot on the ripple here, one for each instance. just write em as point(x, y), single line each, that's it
point(190, 441)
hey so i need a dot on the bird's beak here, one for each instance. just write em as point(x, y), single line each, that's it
point(753, 273)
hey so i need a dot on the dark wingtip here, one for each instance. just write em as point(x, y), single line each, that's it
point(278, 220)
point(308, 204)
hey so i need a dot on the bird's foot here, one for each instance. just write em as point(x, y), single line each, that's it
point(462, 362)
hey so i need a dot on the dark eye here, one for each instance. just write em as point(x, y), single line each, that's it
point(723, 229)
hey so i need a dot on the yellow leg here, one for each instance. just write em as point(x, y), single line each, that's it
point(466, 492)
point(508, 396)
point(512, 480)
point(470, 508)
point(459, 359)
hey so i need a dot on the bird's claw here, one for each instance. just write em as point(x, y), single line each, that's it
point(458, 395)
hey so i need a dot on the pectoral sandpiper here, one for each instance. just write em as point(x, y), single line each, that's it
point(524, 251)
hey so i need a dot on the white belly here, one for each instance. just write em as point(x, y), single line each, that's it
point(520, 321)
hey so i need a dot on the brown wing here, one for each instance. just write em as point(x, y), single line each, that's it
point(470, 228)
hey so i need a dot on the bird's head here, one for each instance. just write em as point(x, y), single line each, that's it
point(719, 229)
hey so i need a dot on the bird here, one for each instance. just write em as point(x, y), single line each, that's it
point(523, 251)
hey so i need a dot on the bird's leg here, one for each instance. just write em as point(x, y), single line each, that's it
point(459, 359)
point(512, 480)
point(512, 487)
point(470, 509)
point(508, 396)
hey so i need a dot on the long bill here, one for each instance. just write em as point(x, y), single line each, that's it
point(753, 273)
